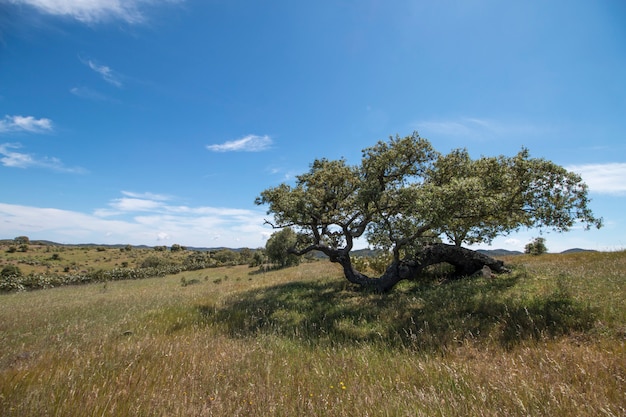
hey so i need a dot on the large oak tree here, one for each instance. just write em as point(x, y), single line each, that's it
point(405, 196)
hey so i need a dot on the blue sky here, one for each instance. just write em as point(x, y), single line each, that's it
point(159, 121)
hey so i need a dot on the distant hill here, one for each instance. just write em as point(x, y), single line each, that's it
point(359, 252)
point(504, 252)
point(575, 250)
point(499, 252)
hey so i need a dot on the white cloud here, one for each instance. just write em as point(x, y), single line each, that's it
point(162, 236)
point(151, 196)
point(13, 159)
point(138, 221)
point(193, 226)
point(609, 178)
point(25, 124)
point(135, 204)
point(250, 143)
point(93, 11)
point(105, 72)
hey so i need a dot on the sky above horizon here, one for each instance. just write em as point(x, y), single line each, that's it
point(159, 121)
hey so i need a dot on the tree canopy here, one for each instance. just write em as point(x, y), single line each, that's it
point(405, 196)
point(536, 247)
point(277, 248)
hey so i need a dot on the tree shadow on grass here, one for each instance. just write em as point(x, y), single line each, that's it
point(424, 316)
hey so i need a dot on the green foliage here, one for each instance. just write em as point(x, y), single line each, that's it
point(404, 194)
point(176, 247)
point(258, 258)
point(226, 257)
point(278, 245)
point(153, 262)
point(380, 262)
point(22, 240)
point(536, 247)
point(246, 256)
point(10, 270)
point(361, 263)
point(198, 260)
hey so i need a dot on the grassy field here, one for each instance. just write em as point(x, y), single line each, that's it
point(56, 259)
point(546, 340)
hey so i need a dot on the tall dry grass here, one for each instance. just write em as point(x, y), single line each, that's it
point(549, 339)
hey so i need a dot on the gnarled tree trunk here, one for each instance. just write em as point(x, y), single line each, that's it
point(465, 261)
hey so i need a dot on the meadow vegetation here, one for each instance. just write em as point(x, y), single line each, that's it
point(547, 339)
point(38, 265)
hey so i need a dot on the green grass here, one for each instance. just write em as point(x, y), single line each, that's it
point(547, 339)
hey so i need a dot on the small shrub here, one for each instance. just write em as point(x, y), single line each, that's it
point(152, 262)
point(22, 240)
point(11, 270)
point(536, 247)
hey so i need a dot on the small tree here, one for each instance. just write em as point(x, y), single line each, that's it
point(258, 258)
point(22, 240)
point(536, 247)
point(176, 248)
point(245, 256)
point(278, 245)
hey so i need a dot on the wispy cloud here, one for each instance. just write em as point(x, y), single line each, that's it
point(147, 195)
point(250, 143)
point(105, 72)
point(88, 93)
point(472, 127)
point(286, 174)
point(607, 178)
point(148, 222)
point(11, 158)
point(94, 11)
point(14, 159)
point(25, 124)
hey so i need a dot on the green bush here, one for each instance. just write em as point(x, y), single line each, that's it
point(10, 270)
point(536, 247)
point(152, 262)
